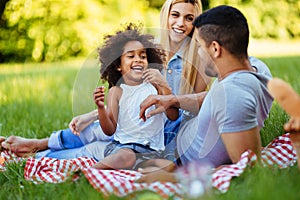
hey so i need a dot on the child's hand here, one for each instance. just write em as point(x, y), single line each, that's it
point(155, 77)
point(99, 96)
point(293, 125)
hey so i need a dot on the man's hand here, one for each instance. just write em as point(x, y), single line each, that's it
point(162, 102)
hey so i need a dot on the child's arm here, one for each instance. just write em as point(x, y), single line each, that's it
point(289, 100)
point(108, 116)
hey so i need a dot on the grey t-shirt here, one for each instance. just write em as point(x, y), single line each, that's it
point(239, 102)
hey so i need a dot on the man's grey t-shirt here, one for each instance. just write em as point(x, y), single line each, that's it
point(237, 103)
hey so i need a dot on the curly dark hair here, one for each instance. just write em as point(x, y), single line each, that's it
point(111, 51)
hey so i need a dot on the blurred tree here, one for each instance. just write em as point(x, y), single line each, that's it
point(43, 30)
point(158, 3)
point(40, 30)
point(278, 19)
point(2, 7)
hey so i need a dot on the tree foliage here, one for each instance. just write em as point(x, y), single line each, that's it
point(278, 19)
point(43, 30)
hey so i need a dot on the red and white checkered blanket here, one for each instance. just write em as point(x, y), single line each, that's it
point(121, 182)
point(278, 153)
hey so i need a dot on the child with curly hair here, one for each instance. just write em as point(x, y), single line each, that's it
point(123, 57)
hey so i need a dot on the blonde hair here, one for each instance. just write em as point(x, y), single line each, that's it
point(189, 51)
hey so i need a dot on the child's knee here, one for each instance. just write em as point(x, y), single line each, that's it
point(127, 158)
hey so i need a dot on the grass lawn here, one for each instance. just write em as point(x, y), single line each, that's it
point(36, 99)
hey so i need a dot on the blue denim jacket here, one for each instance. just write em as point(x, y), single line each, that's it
point(173, 75)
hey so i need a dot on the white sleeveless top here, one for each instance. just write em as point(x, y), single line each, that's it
point(132, 129)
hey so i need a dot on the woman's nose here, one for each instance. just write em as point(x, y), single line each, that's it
point(180, 21)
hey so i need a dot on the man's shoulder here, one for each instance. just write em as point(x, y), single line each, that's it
point(261, 67)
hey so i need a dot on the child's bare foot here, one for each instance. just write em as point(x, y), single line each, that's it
point(23, 146)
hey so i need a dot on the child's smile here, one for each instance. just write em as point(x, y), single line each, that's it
point(138, 68)
point(133, 62)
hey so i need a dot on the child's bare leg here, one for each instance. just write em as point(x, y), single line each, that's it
point(22, 146)
point(122, 159)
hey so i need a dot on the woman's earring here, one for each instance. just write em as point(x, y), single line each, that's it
point(119, 69)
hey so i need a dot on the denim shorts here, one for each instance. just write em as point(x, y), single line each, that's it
point(142, 151)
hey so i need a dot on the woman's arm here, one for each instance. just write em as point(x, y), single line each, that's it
point(80, 122)
point(172, 112)
point(202, 82)
point(108, 116)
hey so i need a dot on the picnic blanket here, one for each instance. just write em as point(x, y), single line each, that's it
point(279, 152)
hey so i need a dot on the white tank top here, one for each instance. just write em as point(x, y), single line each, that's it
point(132, 129)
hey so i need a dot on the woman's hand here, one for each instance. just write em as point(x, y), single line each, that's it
point(80, 122)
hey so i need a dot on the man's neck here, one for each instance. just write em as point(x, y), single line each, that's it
point(231, 65)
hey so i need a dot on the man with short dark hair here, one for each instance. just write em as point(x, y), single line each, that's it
point(231, 114)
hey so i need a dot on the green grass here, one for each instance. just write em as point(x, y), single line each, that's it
point(36, 99)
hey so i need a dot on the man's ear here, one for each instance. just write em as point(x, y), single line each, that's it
point(216, 49)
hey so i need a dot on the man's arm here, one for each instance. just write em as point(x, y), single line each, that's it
point(189, 102)
point(238, 142)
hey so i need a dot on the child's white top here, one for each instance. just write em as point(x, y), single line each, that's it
point(132, 129)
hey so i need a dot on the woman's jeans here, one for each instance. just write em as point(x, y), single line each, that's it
point(91, 142)
point(64, 144)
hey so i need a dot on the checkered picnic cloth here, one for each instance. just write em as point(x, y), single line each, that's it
point(122, 182)
point(278, 153)
point(119, 182)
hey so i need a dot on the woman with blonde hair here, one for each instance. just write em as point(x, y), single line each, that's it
point(184, 46)
point(183, 71)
